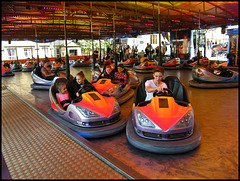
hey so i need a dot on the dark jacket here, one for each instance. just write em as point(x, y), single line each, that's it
point(81, 88)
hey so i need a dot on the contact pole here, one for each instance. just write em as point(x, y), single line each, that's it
point(198, 54)
point(17, 54)
point(93, 56)
point(37, 47)
point(114, 38)
point(66, 57)
point(159, 38)
point(100, 47)
point(236, 53)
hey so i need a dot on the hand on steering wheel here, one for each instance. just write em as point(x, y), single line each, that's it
point(165, 92)
point(84, 89)
point(77, 99)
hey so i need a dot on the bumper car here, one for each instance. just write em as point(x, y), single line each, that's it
point(223, 78)
point(28, 67)
point(39, 82)
point(82, 63)
point(192, 62)
point(225, 64)
point(16, 67)
point(134, 81)
point(146, 66)
point(109, 88)
point(91, 115)
point(56, 67)
point(172, 64)
point(165, 124)
point(95, 74)
point(130, 62)
point(7, 71)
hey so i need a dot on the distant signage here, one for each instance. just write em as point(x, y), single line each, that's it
point(232, 31)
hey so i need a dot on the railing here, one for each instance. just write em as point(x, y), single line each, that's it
point(51, 59)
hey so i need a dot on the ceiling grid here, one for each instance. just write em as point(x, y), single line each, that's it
point(19, 18)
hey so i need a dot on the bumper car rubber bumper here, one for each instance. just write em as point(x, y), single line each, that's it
point(163, 147)
point(91, 132)
point(40, 86)
point(8, 74)
point(196, 84)
point(147, 70)
point(126, 96)
point(173, 67)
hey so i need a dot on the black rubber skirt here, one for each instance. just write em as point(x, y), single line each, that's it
point(8, 75)
point(125, 97)
point(91, 132)
point(134, 86)
point(172, 67)
point(196, 84)
point(128, 65)
point(40, 87)
point(82, 65)
point(233, 68)
point(17, 70)
point(143, 70)
point(187, 67)
point(163, 147)
point(27, 70)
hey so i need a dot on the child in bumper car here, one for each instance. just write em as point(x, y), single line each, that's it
point(81, 85)
point(63, 95)
point(156, 84)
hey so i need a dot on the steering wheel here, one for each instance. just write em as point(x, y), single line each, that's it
point(166, 92)
point(77, 99)
point(85, 88)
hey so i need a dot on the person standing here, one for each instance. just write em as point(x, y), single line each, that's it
point(157, 50)
point(95, 55)
point(108, 50)
point(136, 52)
point(127, 51)
point(231, 57)
point(148, 50)
point(120, 52)
point(163, 49)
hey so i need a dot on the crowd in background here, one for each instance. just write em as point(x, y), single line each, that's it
point(124, 52)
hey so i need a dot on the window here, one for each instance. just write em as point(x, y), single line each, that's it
point(27, 52)
point(58, 52)
point(73, 52)
point(45, 50)
point(12, 54)
point(153, 39)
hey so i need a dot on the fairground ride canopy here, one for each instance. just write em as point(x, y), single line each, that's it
point(41, 20)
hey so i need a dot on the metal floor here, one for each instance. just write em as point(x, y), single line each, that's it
point(216, 111)
point(33, 148)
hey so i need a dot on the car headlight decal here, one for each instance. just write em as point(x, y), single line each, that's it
point(111, 91)
point(86, 112)
point(185, 121)
point(116, 107)
point(144, 120)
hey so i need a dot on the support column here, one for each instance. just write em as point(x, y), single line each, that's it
point(159, 38)
point(66, 56)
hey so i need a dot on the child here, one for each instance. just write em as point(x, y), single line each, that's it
point(155, 84)
point(63, 96)
point(120, 76)
point(81, 84)
point(108, 73)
